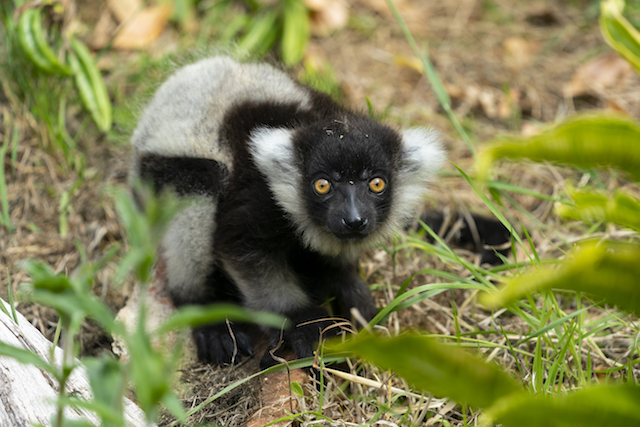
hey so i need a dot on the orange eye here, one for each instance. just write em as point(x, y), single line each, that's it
point(322, 186)
point(377, 185)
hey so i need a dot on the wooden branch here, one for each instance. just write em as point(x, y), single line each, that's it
point(28, 394)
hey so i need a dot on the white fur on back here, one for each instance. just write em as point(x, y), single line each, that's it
point(185, 116)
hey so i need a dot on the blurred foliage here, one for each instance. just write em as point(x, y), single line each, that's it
point(148, 368)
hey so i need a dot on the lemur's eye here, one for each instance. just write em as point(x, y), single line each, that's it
point(322, 186)
point(377, 185)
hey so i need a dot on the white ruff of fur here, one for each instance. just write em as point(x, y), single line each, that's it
point(422, 155)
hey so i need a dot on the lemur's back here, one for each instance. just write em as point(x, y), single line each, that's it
point(185, 115)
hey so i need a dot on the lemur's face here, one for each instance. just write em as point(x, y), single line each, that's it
point(348, 181)
point(351, 207)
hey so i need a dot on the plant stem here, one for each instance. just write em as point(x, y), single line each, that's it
point(432, 76)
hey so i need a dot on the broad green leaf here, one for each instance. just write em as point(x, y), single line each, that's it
point(618, 32)
point(191, 316)
point(587, 140)
point(296, 388)
point(623, 209)
point(107, 381)
point(174, 405)
point(295, 32)
point(597, 406)
point(26, 357)
point(151, 374)
point(445, 370)
point(607, 270)
point(260, 34)
point(109, 417)
point(43, 277)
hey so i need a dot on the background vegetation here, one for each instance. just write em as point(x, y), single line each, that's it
point(549, 338)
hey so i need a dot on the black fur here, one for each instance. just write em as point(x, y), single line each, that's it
point(185, 175)
point(269, 250)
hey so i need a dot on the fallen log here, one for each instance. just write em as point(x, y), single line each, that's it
point(28, 393)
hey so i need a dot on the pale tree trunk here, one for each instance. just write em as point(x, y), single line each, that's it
point(27, 393)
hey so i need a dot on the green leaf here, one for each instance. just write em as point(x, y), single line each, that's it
point(26, 357)
point(109, 417)
point(90, 84)
point(173, 404)
point(260, 34)
point(618, 32)
point(587, 140)
point(43, 277)
point(445, 370)
point(598, 406)
point(107, 378)
point(296, 388)
point(192, 316)
point(623, 208)
point(151, 374)
point(607, 270)
point(295, 32)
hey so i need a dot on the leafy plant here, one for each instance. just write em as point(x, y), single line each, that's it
point(41, 60)
point(285, 21)
point(148, 369)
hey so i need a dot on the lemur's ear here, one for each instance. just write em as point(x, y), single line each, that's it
point(422, 152)
point(273, 153)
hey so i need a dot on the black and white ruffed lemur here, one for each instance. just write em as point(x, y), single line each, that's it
point(286, 188)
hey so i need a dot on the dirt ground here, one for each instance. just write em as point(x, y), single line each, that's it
point(508, 65)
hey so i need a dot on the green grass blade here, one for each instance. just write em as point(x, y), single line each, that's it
point(552, 325)
point(566, 341)
point(419, 293)
point(531, 245)
point(538, 367)
point(191, 316)
point(432, 76)
point(11, 300)
point(4, 309)
point(5, 218)
point(445, 370)
point(475, 271)
point(505, 186)
point(494, 209)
